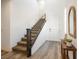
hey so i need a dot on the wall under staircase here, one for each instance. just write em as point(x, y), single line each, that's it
point(40, 40)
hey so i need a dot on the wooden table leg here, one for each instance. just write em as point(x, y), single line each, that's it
point(74, 54)
point(64, 54)
point(61, 52)
point(67, 55)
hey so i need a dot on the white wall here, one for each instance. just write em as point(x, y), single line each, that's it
point(5, 25)
point(17, 15)
point(55, 19)
point(40, 39)
point(24, 14)
point(77, 28)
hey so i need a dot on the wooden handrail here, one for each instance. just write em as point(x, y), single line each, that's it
point(39, 31)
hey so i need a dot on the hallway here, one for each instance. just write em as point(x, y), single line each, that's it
point(50, 50)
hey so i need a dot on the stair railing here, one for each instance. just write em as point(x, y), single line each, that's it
point(39, 31)
point(29, 42)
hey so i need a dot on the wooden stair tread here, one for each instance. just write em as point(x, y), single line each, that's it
point(22, 42)
point(33, 34)
point(32, 38)
point(34, 31)
point(20, 48)
point(24, 37)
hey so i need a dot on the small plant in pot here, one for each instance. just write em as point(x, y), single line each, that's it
point(69, 42)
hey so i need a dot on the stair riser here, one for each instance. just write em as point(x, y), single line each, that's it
point(23, 40)
point(35, 32)
point(26, 40)
point(22, 44)
point(35, 29)
point(33, 36)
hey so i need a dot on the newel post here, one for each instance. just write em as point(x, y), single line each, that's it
point(28, 42)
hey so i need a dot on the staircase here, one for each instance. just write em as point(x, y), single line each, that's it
point(29, 39)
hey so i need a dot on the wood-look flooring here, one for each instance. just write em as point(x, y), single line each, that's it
point(50, 50)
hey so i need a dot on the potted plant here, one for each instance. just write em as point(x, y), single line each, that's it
point(69, 42)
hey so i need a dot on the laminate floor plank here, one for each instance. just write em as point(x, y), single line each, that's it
point(50, 50)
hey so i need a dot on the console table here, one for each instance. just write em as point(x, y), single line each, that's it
point(65, 49)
